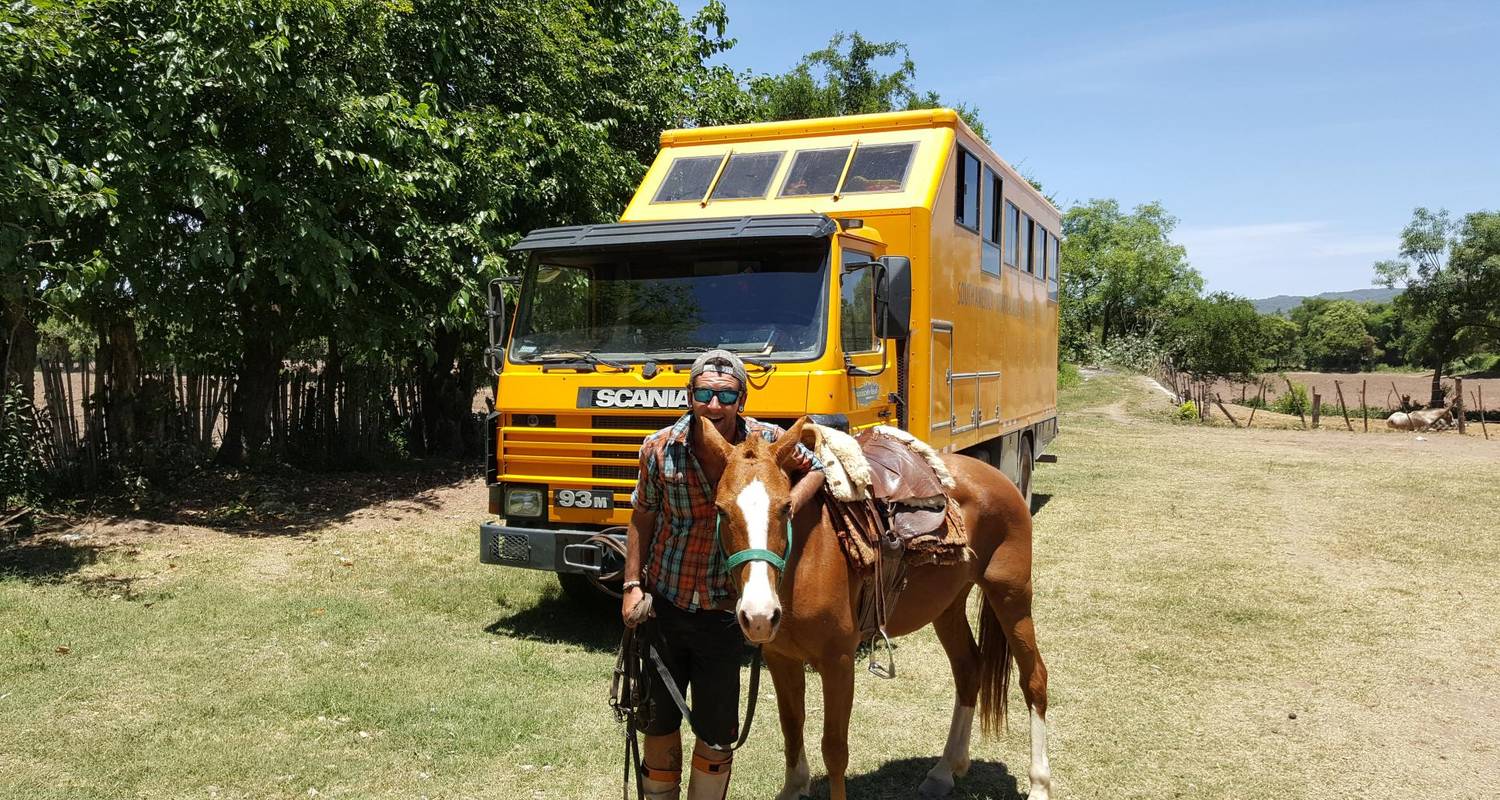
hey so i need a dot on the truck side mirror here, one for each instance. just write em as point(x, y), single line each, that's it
point(893, 298)
point(494, 355)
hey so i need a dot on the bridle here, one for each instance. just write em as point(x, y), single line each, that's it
point(755, 553)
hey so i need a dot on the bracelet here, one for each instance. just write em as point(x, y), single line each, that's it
point(628, 585)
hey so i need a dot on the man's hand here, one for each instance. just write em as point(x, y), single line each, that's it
point(806, 487)
point(801, 460)
point(628, 606)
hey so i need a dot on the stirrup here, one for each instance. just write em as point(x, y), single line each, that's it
point(877, 669)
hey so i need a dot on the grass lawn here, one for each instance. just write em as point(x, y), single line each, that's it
point(1225, 614)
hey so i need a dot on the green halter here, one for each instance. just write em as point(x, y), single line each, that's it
point(779, 562)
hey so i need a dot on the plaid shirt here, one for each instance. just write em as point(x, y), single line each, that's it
point(684, 565)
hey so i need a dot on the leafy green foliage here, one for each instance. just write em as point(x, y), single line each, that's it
point(846, 78)
point(20, 463)
point(1121, 274)
point(1188, 411)
point(1452, 276)
point(1293, 402)
point(1217, 336)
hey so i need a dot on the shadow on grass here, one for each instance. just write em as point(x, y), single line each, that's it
point(1039, 501)
point(990, 780)
point(42, 559)
point(285, 501)
point(594, 626)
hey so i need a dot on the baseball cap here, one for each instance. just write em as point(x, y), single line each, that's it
point(720, 361)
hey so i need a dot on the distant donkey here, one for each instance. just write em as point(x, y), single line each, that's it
point(1424, 420)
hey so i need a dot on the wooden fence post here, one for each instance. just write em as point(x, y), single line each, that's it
point(1257, 406)
point(1364, 408)
point(1482, 425)
point(1317, 407)
point(1458, 391)
point(1220, 402)
point(1293, 393)
point(1342, 407)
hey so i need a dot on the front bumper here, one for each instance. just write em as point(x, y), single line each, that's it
point(576, 552)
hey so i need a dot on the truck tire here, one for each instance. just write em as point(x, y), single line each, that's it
point(584, 590)
point(1027, 463)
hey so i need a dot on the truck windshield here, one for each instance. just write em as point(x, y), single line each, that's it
point(754, 298)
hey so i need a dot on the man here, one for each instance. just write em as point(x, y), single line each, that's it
point(670, 550)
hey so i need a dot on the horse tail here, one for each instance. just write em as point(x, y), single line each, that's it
point(994, 671)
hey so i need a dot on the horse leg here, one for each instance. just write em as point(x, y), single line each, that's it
point(952, 627)
point(791, 703)
point(1010, 602)
point(837, 673)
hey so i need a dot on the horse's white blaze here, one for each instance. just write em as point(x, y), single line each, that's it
point(758, 600)
point(798, 781)
point(1041, 772)
point(955, 760)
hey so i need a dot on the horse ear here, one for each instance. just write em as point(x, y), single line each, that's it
point(710, 448)
point(785, 447)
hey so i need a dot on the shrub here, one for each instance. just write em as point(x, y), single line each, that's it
point(1135, 352)
point(1188, 411)
point(1293, 402)
point(20, 462)
point(1068, 375)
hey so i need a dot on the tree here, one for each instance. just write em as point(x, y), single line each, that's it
point(1281, 341)
point(1336, 334)
point(845, 78)
point(1123, 274)
point(1452, 278)
point(1218, 336)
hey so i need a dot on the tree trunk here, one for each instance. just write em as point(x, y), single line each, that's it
point(1437, 385)
point(124, 384)
point(443, 406)
point(19, 350)
point(248, 425)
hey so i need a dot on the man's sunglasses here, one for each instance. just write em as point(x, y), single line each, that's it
point(727, 397)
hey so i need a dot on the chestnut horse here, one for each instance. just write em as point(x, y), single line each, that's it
point(805, 613)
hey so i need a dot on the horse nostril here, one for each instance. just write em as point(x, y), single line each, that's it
point(744, 619)
point(776, 617)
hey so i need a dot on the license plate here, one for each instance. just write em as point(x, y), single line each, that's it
point(583, 498)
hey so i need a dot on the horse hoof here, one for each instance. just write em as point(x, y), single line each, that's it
point(933, 788)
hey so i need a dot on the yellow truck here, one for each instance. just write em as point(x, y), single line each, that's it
point(883, 269)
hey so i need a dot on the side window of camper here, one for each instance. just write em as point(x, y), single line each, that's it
point(1037, 246)
point(1012, 232)
point(1024, 235)
point(1052, 274)
point(878, 168)
point(857, 304)
point(688, 179)
point(746, 175)
point(815, 172)
point(989, 256)
point(966, 191)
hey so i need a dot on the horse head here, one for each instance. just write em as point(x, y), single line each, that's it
point(754, 533)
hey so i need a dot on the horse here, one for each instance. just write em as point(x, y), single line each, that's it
point(807, 613)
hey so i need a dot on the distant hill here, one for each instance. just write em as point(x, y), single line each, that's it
point(1282, 303)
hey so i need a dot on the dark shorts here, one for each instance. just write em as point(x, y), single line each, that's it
point(702, 650)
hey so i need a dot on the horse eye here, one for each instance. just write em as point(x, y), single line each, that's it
point(786, 508)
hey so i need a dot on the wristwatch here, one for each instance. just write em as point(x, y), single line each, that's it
point(628, 585)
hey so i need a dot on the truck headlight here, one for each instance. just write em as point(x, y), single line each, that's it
point(523, 503)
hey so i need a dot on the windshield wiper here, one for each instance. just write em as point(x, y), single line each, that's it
point(750, 361)
point(581, 360)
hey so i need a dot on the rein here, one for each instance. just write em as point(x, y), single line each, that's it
point(630, 693)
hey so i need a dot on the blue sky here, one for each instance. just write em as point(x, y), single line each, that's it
point(1291, 139)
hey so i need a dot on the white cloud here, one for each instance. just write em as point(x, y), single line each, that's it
point(1270, 258)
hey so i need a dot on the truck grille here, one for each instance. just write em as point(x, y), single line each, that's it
point(512, 547)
